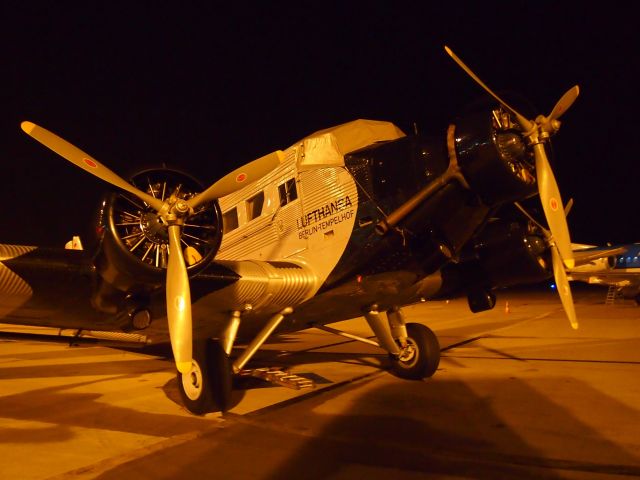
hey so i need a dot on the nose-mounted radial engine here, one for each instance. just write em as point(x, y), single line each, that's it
point(154, 213)
point(135, 238)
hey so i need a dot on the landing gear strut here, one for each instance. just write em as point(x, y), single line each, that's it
point(207, 386)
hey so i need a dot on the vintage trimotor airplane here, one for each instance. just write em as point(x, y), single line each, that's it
point(355, 220)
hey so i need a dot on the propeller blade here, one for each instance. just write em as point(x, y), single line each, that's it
point(559, 273)
point(564, 103)
point(524, 122)
point(552, 205)
point(568, 207)
point(179, 303)
point(85, 161)
point(562, 286)
point(239, 178)
point(546, 232)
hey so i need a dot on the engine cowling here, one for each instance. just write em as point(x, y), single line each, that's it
point(494, 157)
point(134, 245)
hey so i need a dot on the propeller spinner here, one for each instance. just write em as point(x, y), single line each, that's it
point(538, 131)
point(172, 212)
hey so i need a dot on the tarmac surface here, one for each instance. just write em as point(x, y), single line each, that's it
point(518, 395)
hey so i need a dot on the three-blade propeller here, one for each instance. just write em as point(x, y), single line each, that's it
point(172, 212)
point(538, 131)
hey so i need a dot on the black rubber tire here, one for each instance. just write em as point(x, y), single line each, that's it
point(425, 358)
point(207, 387)
point(221, 376)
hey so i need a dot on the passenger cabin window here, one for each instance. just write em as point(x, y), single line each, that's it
point(254, 206)
point(288, 192)
point(230, 220)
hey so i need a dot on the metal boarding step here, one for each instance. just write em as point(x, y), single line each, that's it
point(612, 295)
point(278, 376)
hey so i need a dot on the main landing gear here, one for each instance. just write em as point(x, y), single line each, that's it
point(207, 387)
point(413, 350)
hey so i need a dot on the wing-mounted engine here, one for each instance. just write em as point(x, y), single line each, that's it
point(599, 259)
point(134, 251)
point(494, 158)
point(535, 134)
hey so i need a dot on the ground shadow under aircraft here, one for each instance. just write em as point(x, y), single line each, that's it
point(385, 427)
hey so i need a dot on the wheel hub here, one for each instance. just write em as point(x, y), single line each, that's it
point(409, 353)
point(192, 381)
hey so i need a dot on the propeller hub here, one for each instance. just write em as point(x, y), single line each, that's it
point(181, 207)
point(153, 228)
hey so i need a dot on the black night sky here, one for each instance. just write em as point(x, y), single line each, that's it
point(207, 88)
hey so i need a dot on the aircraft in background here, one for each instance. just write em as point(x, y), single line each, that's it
point(617, 266)
point(355, 220)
